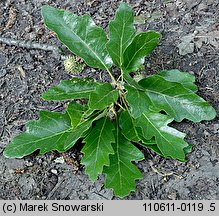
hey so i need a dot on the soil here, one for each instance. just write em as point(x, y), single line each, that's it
point(190, 33)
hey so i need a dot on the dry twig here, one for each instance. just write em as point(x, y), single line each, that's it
point(33, 45)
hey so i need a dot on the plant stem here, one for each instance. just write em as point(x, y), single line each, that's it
point(112, 77)
point(122, 72)
point(120, 106)
point(120, 76)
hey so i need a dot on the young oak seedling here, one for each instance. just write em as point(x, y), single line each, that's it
point(117, 114)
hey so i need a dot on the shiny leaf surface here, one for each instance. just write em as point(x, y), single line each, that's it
point(178, 101)
point(127, 124)
point(122, 32)
point(142, 45)
point(102, 97)
point(75, 88)
point(51, 132)
point(185, 79)
point(137, 100)
point(98, 147)
point(169, 141)
point(122, 173)
point(80, 35)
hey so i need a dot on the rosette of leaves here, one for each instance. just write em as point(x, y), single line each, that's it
point(116, 115)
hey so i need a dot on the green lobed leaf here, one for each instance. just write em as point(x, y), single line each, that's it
point(51, 132)
point(137, 100)
point(131, 82)
point(83, 127)
point(135, 96)
point(176, 100)
point(75, 88)
point(151, 144)
point(122, 173)
point(134, 133)
point(75, 112)
point(127, 124)
point(142, 45)
point(122, 32)
point(169, 141)
point(102, 97)
point(144, 141)
point(185, 79)
point(77, 133)
point(135, 93)
point(80, 35)
point(98, 147)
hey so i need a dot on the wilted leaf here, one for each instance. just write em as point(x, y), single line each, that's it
point(98, 147)
point(80, 35)
point(140, 19)
point(208, 38)
point(186, 45)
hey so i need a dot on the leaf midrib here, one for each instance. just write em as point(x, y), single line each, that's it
point(136, 52)
point(98, 143)
point(44, 138)
point(109, 93)
point(158, 131)
point(81, 40)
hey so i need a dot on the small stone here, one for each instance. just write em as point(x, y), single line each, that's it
point(172, 196)
point(202, 6)
point(186, 48)
point(216, 128)
point(28, 163)
point(2, 72)
point(60, 160)
point(206, 133)
point(54, 171)
point(44, 163)
point(37, 190)
point(28, 29)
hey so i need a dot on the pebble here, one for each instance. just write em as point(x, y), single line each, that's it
point(2, 72)
point(28, 163)
point(28, 29)
point(216, 128)
point(54, 171)
point(60, 160)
